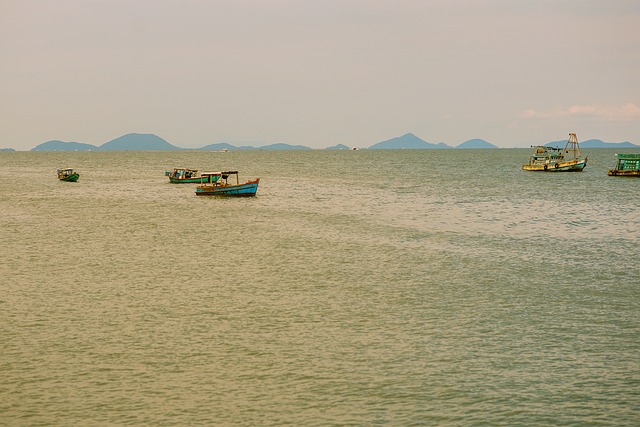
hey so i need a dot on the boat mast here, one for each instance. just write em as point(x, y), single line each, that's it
point(575, 148)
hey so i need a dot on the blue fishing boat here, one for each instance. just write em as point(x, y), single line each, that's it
point(222, 187)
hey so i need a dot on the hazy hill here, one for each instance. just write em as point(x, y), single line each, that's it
point(409, 141)
point(56, 145)
point(594, 143)
point(224, 146)
point(150, 142)
point(141, 142)
point(7, 149)
point(338, 147)
point(131, 142)
point(138, 141)
point(281, 146)
point(476, 143)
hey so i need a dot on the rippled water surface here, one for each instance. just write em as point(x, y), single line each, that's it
point(413, 287)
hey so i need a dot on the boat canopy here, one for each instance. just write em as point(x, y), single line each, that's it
point(543, 149)
point(628, 156)
point(213, 177)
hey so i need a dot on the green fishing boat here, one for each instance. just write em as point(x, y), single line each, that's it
point(68, 174)
point(627, 165)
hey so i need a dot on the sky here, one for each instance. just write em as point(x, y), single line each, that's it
point(319, 73)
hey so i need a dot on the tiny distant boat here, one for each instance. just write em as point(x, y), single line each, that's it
point(550, 159)
point(187, 176)
point(68, 174)
point(222, 187)
point(627, 165)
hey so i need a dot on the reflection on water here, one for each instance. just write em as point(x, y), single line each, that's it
point(443, 287)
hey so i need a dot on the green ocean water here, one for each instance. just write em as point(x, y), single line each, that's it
point(371, 287)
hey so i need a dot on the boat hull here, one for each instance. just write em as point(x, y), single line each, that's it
point(571, 166)
point(247, 189)
point(70, 178)
point(618, 172)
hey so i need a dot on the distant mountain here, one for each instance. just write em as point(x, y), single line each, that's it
point(138, 142)
point(561, 143)
point(224, 146)
point(409, 141)
point(594, 143)
point(284, 147)
point(150, 142)
point(141, 142)
point(338, 147)
point(56, 145)
point(7, 149)
point(476, 143)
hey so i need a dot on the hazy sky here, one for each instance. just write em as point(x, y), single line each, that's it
point(319, 73)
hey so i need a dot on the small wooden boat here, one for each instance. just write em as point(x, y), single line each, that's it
point(68, 174)
point(550, 159)
point(222, 187)
point(627, 165)
point(187, 176)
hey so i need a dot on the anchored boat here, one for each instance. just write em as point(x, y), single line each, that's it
point(222, 187)
point(68, 174)
point(187, 176)
point(550, 159)
point(627, 165)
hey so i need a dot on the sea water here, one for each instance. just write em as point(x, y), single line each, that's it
point(371, 287)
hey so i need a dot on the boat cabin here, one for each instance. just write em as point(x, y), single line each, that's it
point(628, 162)
point(184, 173)
point(209, 177)
point(62, 173)
point(546, 155)
point(215, 177)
